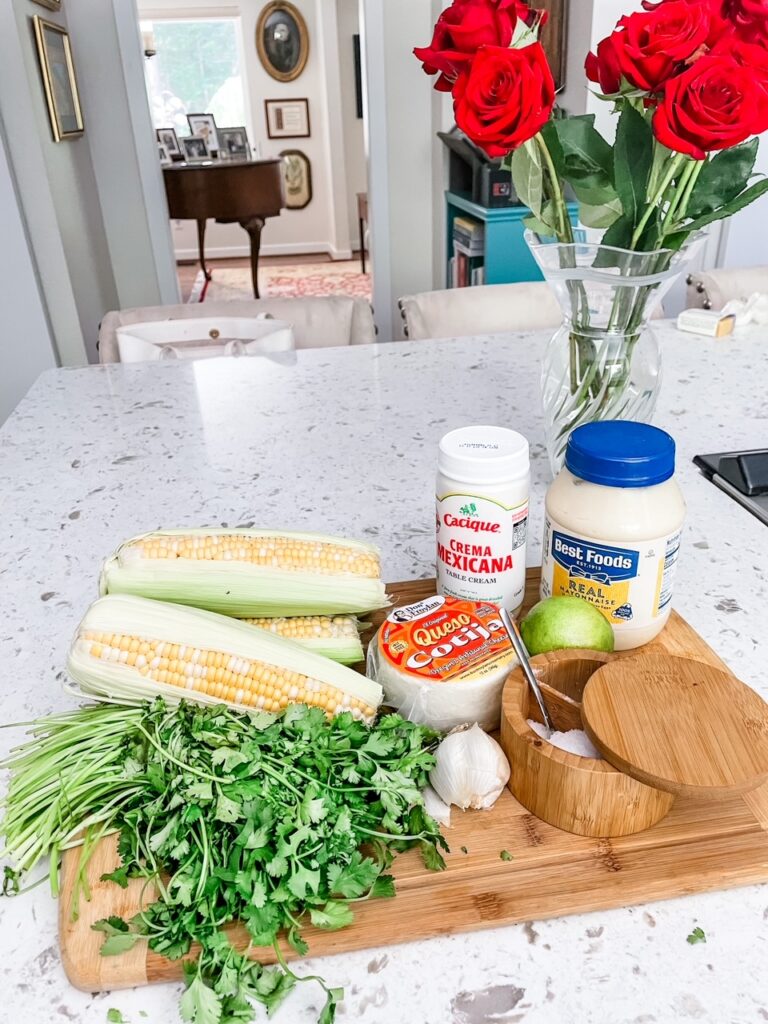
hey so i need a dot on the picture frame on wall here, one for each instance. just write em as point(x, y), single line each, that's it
point(52, 5)
point(297, 174)
point(282, 40)
point(195, 149)
point(233, 143)
point(287, 119)
point(167, 137)
point(59, 79)
point(204, 125)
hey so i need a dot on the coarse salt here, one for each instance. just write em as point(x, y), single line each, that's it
point(575, 741)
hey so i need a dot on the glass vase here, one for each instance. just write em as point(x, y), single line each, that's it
point(604, 362)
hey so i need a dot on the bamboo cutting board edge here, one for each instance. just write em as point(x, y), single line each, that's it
point(699, 847)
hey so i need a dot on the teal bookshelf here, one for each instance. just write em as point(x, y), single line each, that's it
point(507, 257)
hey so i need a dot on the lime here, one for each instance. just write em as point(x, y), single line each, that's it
point(560, 622)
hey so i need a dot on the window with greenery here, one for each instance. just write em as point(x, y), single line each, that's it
point(198, 69)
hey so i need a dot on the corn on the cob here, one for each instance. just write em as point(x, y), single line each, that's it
point(130, 649)
point(333, 636)
point(249, 573)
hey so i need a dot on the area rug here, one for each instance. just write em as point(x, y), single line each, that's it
point(304, 280)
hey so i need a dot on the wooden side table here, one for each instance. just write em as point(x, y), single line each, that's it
point(362, 220)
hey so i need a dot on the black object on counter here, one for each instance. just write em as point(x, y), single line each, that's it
point(742, 475)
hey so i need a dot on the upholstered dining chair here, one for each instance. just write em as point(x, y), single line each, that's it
point(484, 309)
point(316, 322)
point(713, 289)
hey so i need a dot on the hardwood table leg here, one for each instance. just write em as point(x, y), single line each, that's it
point(201, 247)
point(254, 226)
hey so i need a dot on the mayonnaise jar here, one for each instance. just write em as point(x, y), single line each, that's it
point(614, 517)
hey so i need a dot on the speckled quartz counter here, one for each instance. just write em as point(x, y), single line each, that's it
point(345, 440)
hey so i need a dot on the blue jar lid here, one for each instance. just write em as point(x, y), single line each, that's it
point(621, 453)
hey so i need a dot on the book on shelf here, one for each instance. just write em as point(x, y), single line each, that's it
point(470, 234)
point(467, 269)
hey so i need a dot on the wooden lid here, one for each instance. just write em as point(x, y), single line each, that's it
point(678, 725)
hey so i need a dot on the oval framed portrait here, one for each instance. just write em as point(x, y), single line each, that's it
point(297, 175)
point(282, 40)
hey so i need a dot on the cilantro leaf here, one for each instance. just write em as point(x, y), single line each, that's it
point(355, 879)
point(227, 810)
point(696, 936)
point(119, 876)
point(506, 855)
point(200, 1004)
point(334, 915)
point(115, 1017)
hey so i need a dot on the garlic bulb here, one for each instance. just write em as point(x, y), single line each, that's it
point(471, 769)
point(435, 807)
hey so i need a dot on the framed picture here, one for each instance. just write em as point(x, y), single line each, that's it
point(282, 41)
point(287, 119)
point(297, 173)
point(204, 126)
point(167, 137)
point(195, 149)
point(52, 5)
point(162, 152)
point(554, 38)
point(59, 81)
point(233, 144)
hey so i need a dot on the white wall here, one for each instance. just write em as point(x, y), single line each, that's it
point(68, 205)
point(316, 228)
point(25, 341)
point(404, 158)
point(348, 18)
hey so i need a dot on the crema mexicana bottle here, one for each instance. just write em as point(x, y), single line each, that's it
point(483, 481)
point(614, 517)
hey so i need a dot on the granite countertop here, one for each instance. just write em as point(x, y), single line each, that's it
point(345, 440)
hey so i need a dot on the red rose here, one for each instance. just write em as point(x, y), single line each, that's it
point(749, 18)
point(651, 46)
point(713, 105)
point(461, 30)
point(505, 97)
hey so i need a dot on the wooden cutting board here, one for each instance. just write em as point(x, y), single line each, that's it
point(698, 847)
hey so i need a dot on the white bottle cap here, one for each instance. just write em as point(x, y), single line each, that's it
point(484, 455)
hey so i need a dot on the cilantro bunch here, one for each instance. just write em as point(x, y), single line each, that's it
point(272, 822)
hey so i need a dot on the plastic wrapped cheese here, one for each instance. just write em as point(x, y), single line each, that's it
point(443, 662)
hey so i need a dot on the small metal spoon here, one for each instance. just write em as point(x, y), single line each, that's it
point(525, 664)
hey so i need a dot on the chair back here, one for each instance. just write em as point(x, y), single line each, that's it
point(485, 309)
point(316, 322)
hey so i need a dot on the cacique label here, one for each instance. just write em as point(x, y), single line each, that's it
point(631, 583)
point(481, 549)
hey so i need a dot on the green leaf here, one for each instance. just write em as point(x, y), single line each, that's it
point(506, 855)
point(619, 234)
point(296, 942)
point(228, 810)
point(119, 876)
point(600, 216)
point(355, 879)
point(383, 888)
point(696, 936)
point(333, 916)
point(200, 1004)
point(633, 156)
point(587, 157)
point(115, 1017)
point(723, 178)
point(739, 203)
point(528, 176)
point(303, 881)
point(433, 860)
point(115, 945)
point(333, 998)
point(594, 195)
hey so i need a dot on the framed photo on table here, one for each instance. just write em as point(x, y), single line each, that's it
point(233, 144)
point(195, 149)
point(59, 81)
point(204, 125)
point(165, 158)
point(287, 119)
point(167, 137)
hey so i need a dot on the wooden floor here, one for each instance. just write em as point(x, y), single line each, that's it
point(189, 269)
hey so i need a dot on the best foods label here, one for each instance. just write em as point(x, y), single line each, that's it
point(446, 640)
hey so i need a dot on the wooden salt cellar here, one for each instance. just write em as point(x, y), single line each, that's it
point(664, 726)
